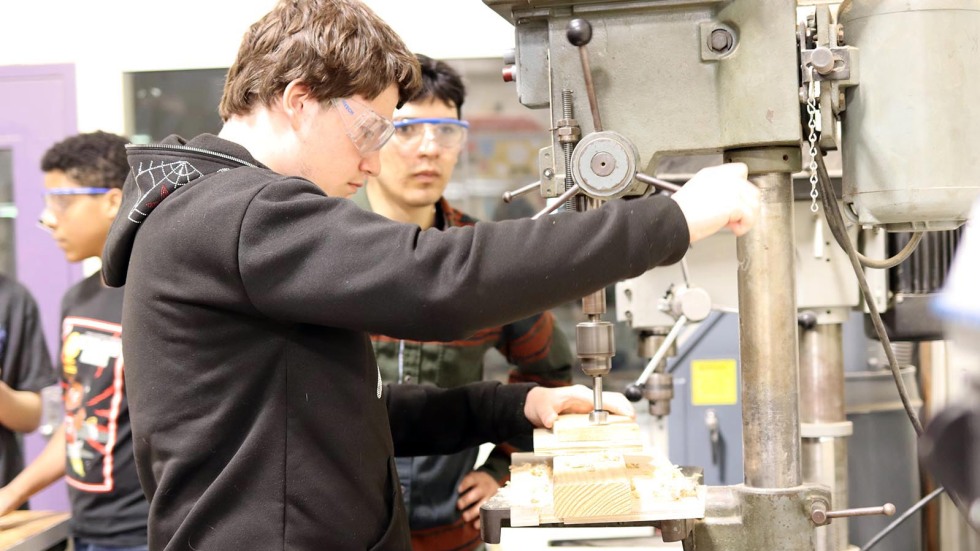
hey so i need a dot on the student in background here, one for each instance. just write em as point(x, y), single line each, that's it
point(443, 493)
point(93, 448)
point(25, 368)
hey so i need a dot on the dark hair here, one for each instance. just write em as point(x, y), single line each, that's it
point(97, 159)
point(442, 82)
point(339, 48)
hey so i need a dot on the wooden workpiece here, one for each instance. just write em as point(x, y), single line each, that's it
point(584, 473)
point(590, 485)
point(575, 433)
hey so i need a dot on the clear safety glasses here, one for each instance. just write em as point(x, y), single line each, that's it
point(368, 130)
point(448, 133)
point(57, 201)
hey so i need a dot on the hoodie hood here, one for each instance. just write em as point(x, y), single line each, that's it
point(158, 171)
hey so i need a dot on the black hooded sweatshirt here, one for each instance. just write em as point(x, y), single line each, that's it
point(259, 419)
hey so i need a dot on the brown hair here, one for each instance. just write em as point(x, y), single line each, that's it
point(338, 48)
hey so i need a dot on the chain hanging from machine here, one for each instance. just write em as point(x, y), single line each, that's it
point(827, 67)
point(811, 109)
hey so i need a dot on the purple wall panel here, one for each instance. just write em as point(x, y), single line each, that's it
point(37, 109)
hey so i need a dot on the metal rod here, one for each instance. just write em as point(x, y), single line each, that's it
point(768, 340)
point(824, 460)
point(887, 509)
point(597, 393)
point(662, 350)
point(558, 202)
point(662, 185)
point(510, 195)
point(822, 375)
point(590, 88)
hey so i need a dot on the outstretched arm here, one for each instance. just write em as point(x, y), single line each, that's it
point(427, 420)
point(47, 468)
point(20, 410)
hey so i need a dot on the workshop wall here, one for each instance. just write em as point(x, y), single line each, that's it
point(108, 38)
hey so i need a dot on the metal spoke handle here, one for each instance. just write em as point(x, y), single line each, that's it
point(662, 351)
point(511, 195)
point(558, 202)
point(662, 185)
point(820, 515)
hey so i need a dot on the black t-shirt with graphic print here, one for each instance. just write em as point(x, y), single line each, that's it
point(25, 363)
point(108, 504)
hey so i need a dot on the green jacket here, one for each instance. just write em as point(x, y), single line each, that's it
point(537, 351)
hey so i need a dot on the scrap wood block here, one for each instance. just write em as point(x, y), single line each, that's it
point(591, 485)
point(574, 433)
point(530, 492)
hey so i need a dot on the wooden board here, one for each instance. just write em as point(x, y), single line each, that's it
point(658, 491)
point(576, 427)
point(575, 434)
point(20, 527)
point(591, 485)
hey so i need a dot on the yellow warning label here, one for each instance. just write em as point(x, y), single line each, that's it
point(714, 382)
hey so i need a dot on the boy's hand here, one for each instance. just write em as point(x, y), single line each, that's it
point(476, 488)
point(718, 197)
point(543, 405)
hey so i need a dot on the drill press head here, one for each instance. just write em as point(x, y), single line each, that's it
point(596, 346)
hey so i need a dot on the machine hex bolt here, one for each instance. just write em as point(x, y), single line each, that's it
point(721, 41)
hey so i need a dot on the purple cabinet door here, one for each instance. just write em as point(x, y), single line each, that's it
point(37, 109)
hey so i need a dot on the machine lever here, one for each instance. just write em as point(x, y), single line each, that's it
point(511, 195)
point(569, 193)
point(662, 351)
point(662, 185)
point(579, 33)
point(820, 515)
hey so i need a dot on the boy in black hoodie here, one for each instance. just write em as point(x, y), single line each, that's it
point(259, 415)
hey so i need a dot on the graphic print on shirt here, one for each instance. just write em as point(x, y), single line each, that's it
point(92, 381)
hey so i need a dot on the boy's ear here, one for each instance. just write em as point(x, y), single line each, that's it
point(296, 102)
point(113, 201)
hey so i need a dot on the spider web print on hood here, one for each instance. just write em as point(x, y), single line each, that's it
point(158, 171)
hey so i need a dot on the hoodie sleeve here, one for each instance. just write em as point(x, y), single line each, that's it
point(427, 420)
point(308, 258)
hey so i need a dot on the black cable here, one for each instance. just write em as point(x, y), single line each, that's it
point(838, 229)
point(894, 524)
